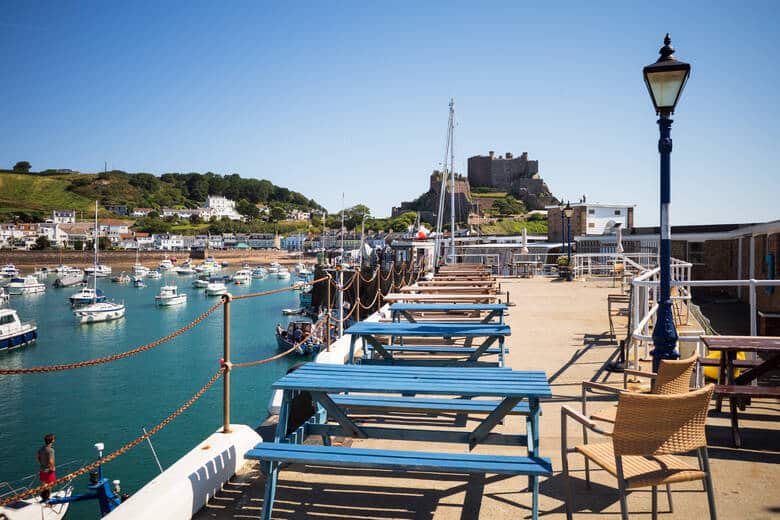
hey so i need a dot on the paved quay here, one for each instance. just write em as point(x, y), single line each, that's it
point(561, 328)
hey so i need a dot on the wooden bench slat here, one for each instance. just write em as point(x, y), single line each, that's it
point(737, 363)
point(425, 404)
point(747, 390)
point(400, 460)
point(432, 349)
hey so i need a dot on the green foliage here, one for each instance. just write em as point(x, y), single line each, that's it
point(104, 243)
point(563, 261)
point(78, 245)
point(41, 243)
point(536, 217)
point(22, 167)
point(277, 213)
point(514, 227)
point(152, 224)
point(194, 219)
point(247, 209)
point(37, 196)
point(508, 206)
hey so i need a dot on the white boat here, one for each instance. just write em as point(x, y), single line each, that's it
point(98, 310)
point(304, 272)
point(259, 273)
point(62, 269)
point(138, 281)
point(140, 270)
point(41, 273)
point(70, 278)
point(242, 277)
point(154, 275)
point(86, 296)
point(14, 333)
point(216, 289)
point(166, 264)
point(283, 273)
point(201, 282)
point(122, 278)
point(27, 285)
point(184, 269)
point(273, 268)
point(3, 296)
point(9, 271)
point(292, 312)
point(99, 270)
point(170, 295)
point(34, 508)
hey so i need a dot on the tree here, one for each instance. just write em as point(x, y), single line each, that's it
point(247, 209)
point(42, 243)
point(277, 213)
point(194, 219)
point(78, 245)
point(104, 243)
point(22, 167)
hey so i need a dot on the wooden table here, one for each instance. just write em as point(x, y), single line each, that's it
point(442, 298)
point(444, 283)
point(494, 310)
point(327, 383)
point(458, 289)
point(368, 331)
point(739, 386)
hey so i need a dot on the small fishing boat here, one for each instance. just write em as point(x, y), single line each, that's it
point(13, 332)
point(298, 331)
point(242, 277)
point(170, 295)
point(86, 296)
point(99, 270)
point(292, 312)
point(166, 264)
point(70, 278)
point(283, 273)
point(259, 273)
point(216, 288)
point(27, 285)
point(122, 278)
point(138, 282)
point(154, 275)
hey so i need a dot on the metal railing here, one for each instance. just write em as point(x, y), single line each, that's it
point(611, 264)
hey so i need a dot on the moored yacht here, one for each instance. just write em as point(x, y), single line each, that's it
point(283, 273)
point(185, 269)
point(98, 270)
point(166, 264)
point(8, 271)
point(201, 282)
point(216, 287)
point(14, 333)
point(86, 296)
point(100, 311)
point(154, 275)
point(259, 273)
point(273, 268)
point(242, 277)
point(27, 285)
point(170, 295)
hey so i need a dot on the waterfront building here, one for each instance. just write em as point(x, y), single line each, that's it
point(261, 240)
point(590, 219)
point(56, 236)
point(294, 242)
point(63, 216)
point(299, 215)
point(168, 242)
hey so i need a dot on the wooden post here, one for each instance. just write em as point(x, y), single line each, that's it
point(358, 273)
point(327, 316)
point(226, 363)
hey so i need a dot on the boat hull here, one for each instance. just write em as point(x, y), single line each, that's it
point(169, 302)
point(19, 339)
point(89, 316)
point(24, 291)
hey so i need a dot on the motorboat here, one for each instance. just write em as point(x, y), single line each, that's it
point(62, 269)
point(27, 285)
point(283, 273)
point(13, 332)
point(170, 295)
point(140, 270)
point(138, 282)
point(86, 296)
point(99, 270)
point(216, 288)
point(9, 271)
point(273, 268)
point(69, 277)
point(184, 269)
point(242, 277)
point(201, 281)
point(34, 508)
point(41, 273)
point(298, 334)
point(289, 312)
point(122, 278)
point(154, 275)
point(259, 273)
point(166, 264)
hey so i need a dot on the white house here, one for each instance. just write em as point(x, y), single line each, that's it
point(52, 231)
point(63, 216)
point(168, 242)
point(217, 206)
point(299, 215)
point(140, 212)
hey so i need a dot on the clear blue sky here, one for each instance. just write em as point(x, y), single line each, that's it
point(353, 96)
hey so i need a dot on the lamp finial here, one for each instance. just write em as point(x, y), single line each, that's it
point(667, 51)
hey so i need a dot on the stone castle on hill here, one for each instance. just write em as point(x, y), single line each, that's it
point(517, 176)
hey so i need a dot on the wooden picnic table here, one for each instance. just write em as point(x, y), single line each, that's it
point(338, 390)
point(463, 289)
point(444, 283)
point(739, 387)
point(442, 298)
point(494, 310)
point(368, 332)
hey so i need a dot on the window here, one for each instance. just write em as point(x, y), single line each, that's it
point(696, 252)
point(591, 212)
point(617, 212)
point(591, 224)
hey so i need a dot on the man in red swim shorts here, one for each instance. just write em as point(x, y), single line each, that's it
point(46, 465)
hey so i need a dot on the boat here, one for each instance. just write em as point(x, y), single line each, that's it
point(99, 270)
point(138, 268)
point(170, 295)
point(166, 264)
point(296, 331)
point(273, 268)
point(41, 273)
point(289, 312)
point(9, 271)
point(138, 282)
point(216, 288)
point(201, 281)
point(185, 269)
point(259, 273)
point(62, 269)
point(154, 275)
point(27, 285)
point(3, 296)
point(70, 279)
point(242, 277)
point(283, 273)
point(86, 296)
point(34, 508)
point(122, 278)
point(96, 311)
point(13, 332)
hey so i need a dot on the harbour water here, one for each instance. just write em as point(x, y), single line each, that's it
point(111, 403)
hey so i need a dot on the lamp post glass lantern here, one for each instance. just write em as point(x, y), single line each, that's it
point(665, 80)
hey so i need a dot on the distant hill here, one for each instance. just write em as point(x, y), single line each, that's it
point(33, 195)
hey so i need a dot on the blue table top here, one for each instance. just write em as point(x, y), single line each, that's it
point(430, 329)
point(448, 307)
point(472, 382)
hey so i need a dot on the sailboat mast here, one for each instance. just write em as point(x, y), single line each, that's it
point(442, 191)
point(452, 180)
point(95, 267)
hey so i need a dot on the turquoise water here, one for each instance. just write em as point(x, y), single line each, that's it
point(110, 403)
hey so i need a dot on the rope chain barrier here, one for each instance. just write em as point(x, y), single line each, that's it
point(111, 456)
point(274, 291)
point(280, 355)
point(114, 357)
point(345, 318)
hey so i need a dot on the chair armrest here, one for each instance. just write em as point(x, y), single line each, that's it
point(591, 385)
point(585, 421)
point(639, 373)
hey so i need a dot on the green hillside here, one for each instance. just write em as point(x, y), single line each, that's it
point(26, 194)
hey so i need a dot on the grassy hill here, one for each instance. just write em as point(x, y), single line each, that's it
point(22, 193)
point(511, 226)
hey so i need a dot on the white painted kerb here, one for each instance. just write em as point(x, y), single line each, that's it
point(184, 488)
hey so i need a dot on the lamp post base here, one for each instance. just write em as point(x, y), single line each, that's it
point(664, 335)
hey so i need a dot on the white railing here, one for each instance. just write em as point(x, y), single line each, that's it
point(603, 264)
point(644, 307)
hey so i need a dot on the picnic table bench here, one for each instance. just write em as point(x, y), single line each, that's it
point(406, 310)
point(461, 289)
point(739, 388)
point(513, 392)
point(442, 298)
point(368, 331)
point(444, 283)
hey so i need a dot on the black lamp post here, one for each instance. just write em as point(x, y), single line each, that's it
point(568, 211)
point(665, 80)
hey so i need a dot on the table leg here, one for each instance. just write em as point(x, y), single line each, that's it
point(735, 437)
point(352, 429)
point(483, 347)
point(496, 416)
point(271, 467)
point(721, 378)
point(371, 340)
point(352, 339)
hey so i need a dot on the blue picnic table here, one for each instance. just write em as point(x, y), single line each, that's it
point(492, 332)
point(338, 390)
point(405, 310)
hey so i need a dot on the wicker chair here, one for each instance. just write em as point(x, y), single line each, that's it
point(673, 377)
point(649, 430)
